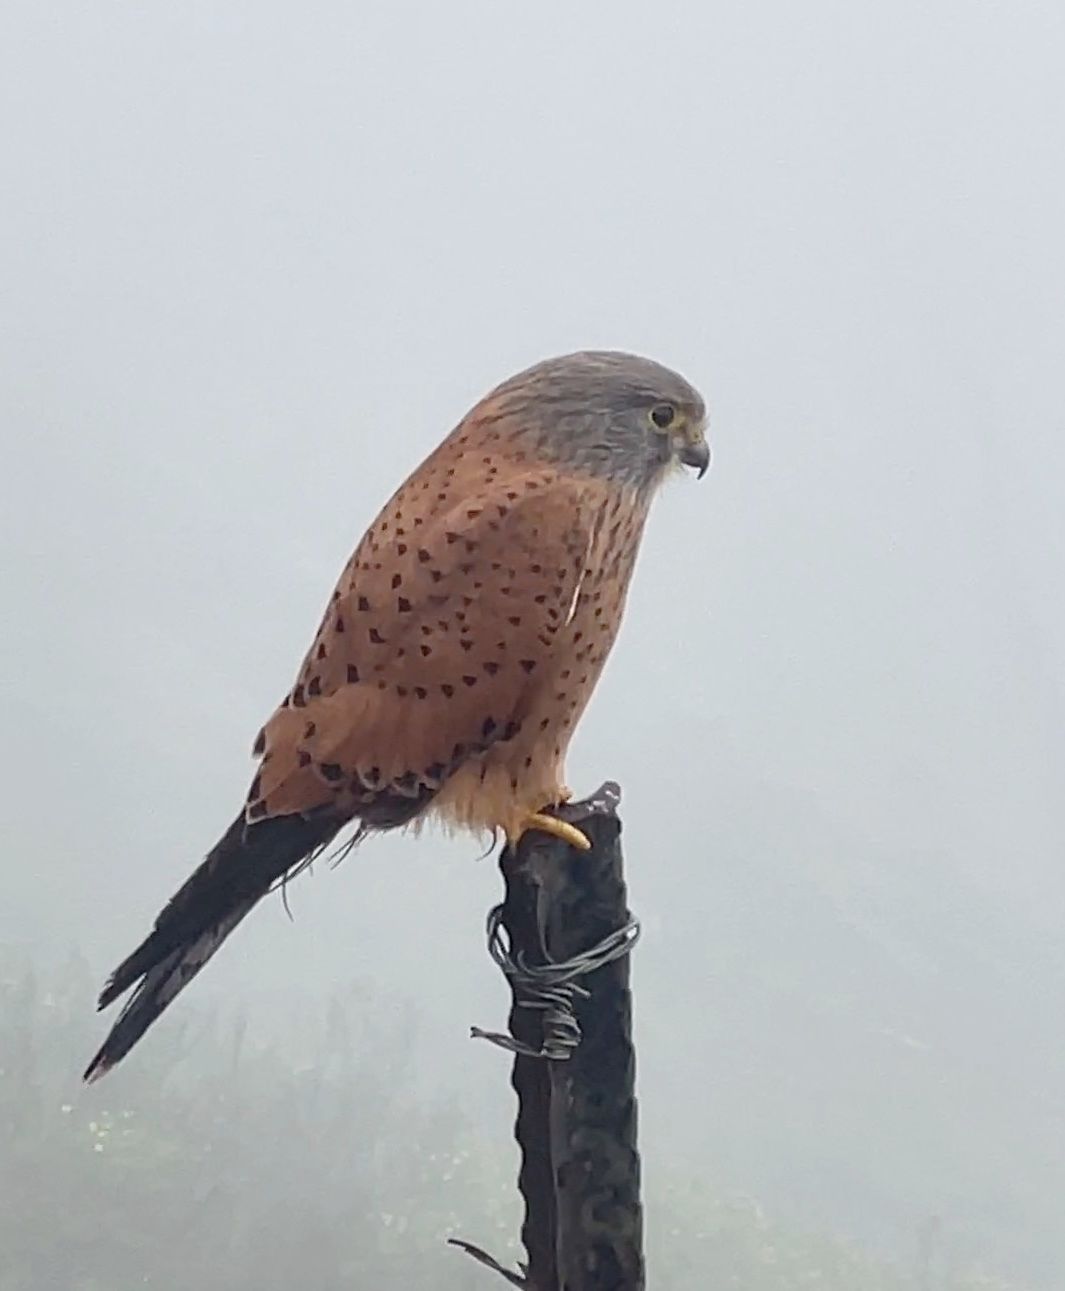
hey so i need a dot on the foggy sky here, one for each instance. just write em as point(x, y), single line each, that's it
point(257, 259)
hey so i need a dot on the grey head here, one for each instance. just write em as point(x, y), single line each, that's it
point(605, 413)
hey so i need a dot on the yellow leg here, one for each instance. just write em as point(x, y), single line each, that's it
point(556, 828)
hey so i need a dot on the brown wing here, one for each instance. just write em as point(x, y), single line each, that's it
point(428, 648)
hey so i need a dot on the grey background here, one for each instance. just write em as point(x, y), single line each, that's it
point(256, 259)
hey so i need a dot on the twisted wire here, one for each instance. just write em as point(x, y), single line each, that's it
point(551, 988)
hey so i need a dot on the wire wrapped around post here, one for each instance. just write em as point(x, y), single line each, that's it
point(562, 936)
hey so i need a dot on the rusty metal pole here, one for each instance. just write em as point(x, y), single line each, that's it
point(593, 1102)
point(568, 932)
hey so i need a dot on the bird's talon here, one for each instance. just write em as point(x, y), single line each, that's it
point(557, 829)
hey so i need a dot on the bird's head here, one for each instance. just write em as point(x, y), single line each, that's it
point(607, 413)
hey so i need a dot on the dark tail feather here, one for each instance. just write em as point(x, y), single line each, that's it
point(241, 868)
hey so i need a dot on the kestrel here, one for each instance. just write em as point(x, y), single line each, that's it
point(457, 653)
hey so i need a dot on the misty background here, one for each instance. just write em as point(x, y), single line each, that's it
point(257, 259)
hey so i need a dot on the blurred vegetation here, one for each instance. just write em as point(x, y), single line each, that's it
point(311, 1165)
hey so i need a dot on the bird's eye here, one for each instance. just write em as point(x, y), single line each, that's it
point(663, 415)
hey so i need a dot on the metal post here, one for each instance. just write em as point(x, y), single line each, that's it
point(562, 936)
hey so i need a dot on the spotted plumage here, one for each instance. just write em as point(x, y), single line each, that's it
point(458, 651)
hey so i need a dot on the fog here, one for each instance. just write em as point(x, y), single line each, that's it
point(257, 259)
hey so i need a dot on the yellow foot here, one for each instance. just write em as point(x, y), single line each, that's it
point(556, 828)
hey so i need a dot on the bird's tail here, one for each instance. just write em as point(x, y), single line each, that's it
point(241, 868)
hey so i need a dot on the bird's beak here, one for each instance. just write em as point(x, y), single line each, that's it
point(695, 452)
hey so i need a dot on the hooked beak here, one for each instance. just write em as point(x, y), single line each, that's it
point(695, 453)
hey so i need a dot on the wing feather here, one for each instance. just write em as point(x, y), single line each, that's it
point(429, 646)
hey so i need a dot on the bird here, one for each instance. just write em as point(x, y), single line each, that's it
point(456, 655)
